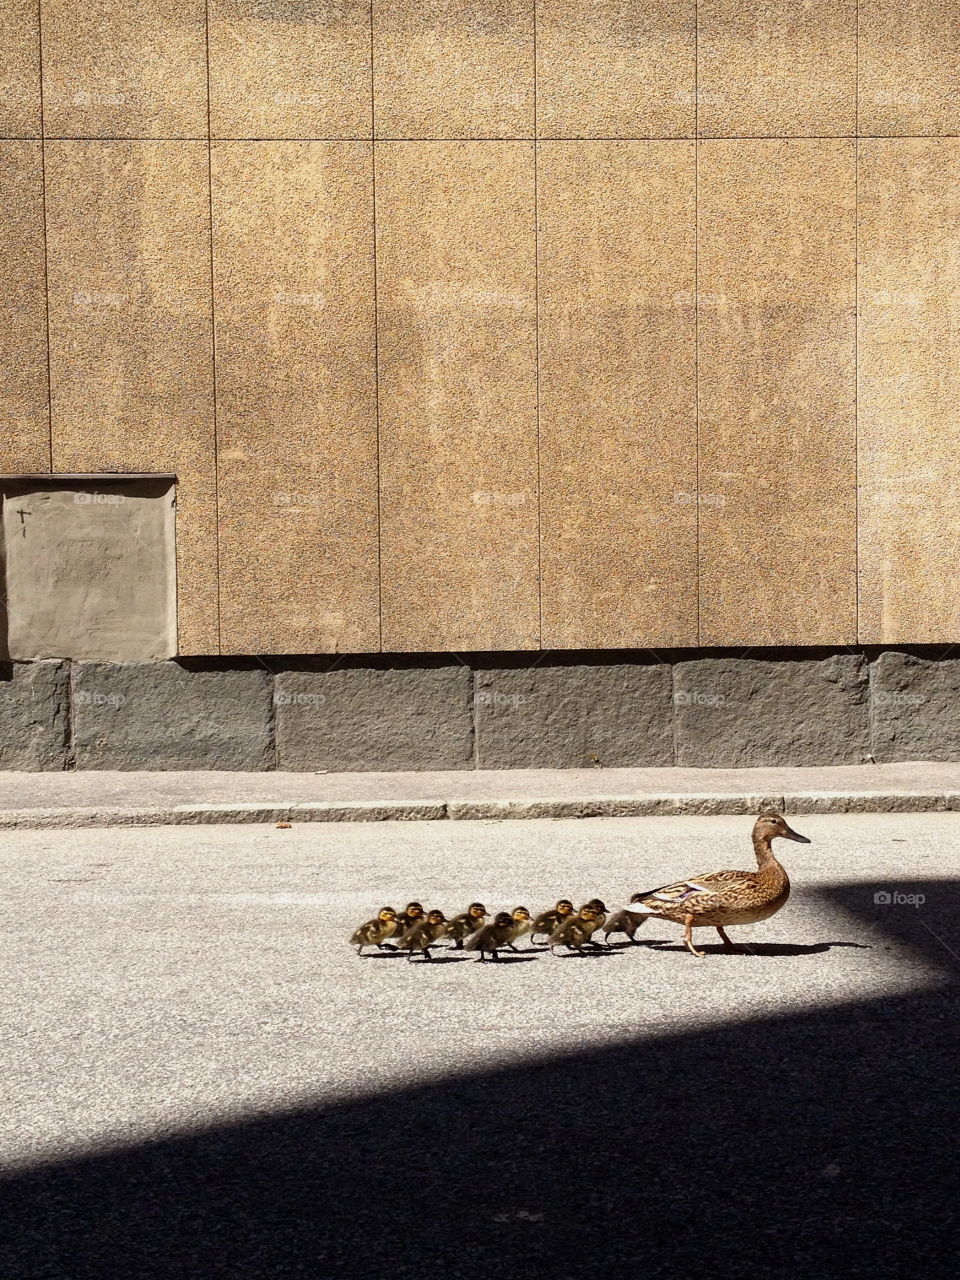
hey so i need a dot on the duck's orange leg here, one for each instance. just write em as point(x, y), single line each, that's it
point(728, 945)
point(688, 937)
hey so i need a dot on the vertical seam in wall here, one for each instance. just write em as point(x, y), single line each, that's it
point(70, 763)
point(856, 342)
point(213, 339)
point(46, 251)
point(536, 308)
point(376, 330)
point(696, 297)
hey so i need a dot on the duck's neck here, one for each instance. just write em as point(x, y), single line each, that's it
point(766, 860)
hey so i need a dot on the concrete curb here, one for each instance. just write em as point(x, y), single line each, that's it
point(472, 810)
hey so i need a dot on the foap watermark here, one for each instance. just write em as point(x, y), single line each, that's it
point(896, 898)
point(98, 98)
point(287, 698)
point(97, 298)
point(698, 698)
point(687, 298)
point(99, 499)
point(486, 498)
point(891, 698)
point(285, 499)
point(685, 499)
point(96, 698)
point(284, 298)
point(490, 698)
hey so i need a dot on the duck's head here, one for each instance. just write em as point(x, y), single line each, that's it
point(595, 905)
point(476, 910)
point(436, 917)
point(503, 920)
point(414, 910)
point(589, 912)
point(386, 914)
point(564, 907)
point(771, 824)
point(520, 914)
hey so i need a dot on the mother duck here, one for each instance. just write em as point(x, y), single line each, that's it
point(726, 897)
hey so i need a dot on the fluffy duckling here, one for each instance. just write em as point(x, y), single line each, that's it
point(412, 914)
point(577, 930)
point(376, 931)
point(549, 921)
point(624, 922)
point(423, 935)
point(524, 922)
point(494, 936)
point(465, 923)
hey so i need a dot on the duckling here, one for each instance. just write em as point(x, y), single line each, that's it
point(412, 914)
point(548, 921)
point(524, 922)
point(726, 897)
point(494, 936)
point(465, 923)
point(423, 935)
point(624, 922)
point(577, 930)
point(376, 931)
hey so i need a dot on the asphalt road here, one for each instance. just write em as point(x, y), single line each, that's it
point(202, 1079)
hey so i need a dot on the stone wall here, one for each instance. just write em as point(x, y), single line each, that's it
point(499, 325)
point(486, 711)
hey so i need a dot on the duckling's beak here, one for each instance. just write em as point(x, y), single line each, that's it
point(790, 834)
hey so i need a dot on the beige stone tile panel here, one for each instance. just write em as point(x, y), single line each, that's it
point(453, 68)
point(618, 419)
point(909, 67)
point(125, 69)
point(131, 341)
point(606, 69)
point(909, 388)
point(777, 68)
point(777, 495)
point(19, 69)
point(296, 396)
point(458, 423)
point(290, 68)
point(24, 415)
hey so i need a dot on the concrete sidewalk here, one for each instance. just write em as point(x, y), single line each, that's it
point(100, 799)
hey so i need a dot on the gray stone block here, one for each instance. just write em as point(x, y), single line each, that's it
point(34, 720)
point(161, 715)
point(363, 718)
point(737, 712)
point(915, 707)
point(574, 716)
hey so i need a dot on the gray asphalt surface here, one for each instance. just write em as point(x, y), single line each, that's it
point(202, 1079)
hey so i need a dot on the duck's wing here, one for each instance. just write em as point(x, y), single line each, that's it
point(699, 892)
point(479, 940)
point(361, 935)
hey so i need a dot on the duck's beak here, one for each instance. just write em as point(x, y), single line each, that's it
point(790, 834)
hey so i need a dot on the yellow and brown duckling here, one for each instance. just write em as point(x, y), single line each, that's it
point(549, 921)
point(423, 935)
point(413, 913)
point(578, 930)
point(523, 920)
point(722, 898)
point(465, 923)
point(375, 932)
point(492, 937)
